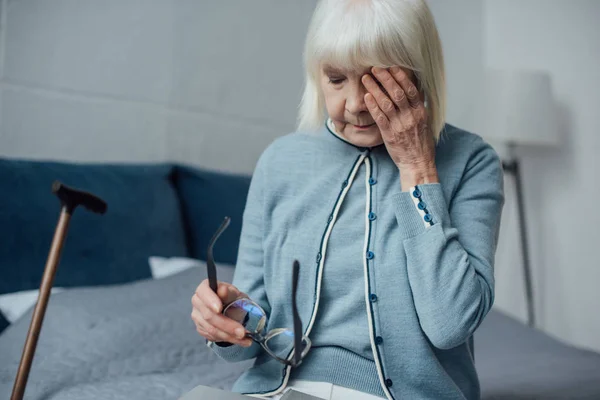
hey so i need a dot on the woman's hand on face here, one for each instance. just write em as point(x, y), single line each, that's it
point(401, 117)
point(207, 308)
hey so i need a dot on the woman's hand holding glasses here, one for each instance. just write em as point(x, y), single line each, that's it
point(224, 314)
point(208, 316)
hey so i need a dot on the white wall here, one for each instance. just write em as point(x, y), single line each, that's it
point(80, 79)
point(213, 82)
point(460, 25)
point(562, 187)
point(209, 83)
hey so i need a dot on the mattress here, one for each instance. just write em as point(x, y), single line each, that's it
point(137, 341)
point(515, 361)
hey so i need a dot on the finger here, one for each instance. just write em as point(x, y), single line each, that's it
point(244, 342)
point(210, 331)
point(213, 335)
point(228, 293)
point(198, 322)
point(219, 321)
point(383, 101)
point(379, 116)
point(201, 331)
point(407, 85)
point(395, 91)
point(206, 294)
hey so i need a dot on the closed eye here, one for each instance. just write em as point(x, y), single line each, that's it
point(336, 80)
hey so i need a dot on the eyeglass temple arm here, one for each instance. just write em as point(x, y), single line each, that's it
point(298, 335)
point(211, 269)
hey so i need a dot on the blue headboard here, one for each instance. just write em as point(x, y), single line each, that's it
point(206, 198)
point(143, 218)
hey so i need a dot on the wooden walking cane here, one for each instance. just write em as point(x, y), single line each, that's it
point(70, 199)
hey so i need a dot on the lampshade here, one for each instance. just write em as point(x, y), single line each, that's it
point(517, 107)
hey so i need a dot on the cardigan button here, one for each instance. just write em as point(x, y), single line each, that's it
point(318, 257)
point(427, 217)
point(416, 193)
point(372, 216)
point(378, 340)
point(373, 297)
point(388, 382)
point(372, 181)
point(370, 255)
point(344, 184)
point(422, 206)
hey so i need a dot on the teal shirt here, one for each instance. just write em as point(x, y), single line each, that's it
point(425, 287)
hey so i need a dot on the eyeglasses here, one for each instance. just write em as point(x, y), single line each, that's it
point(286, 346)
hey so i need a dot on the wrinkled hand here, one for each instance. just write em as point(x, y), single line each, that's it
point(207, 308)
point(401, 116)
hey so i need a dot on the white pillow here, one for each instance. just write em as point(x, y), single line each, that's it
point(14, 305)
point(161, 267)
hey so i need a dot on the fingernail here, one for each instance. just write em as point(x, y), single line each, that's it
point(240, 333)
point(216, 307)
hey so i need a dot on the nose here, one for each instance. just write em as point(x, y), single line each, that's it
point(355, 100)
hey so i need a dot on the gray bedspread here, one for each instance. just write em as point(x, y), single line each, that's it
point(517, 362)
point(137, 341)
point(133, 341)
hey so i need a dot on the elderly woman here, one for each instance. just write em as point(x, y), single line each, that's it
point(393, 215)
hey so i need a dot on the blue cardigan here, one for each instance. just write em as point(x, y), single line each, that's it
point(428, 274)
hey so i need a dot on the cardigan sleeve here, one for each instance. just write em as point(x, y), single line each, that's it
point(248, 276)
point(451, 263)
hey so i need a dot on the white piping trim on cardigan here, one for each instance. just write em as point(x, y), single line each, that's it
point(323, 250)
point(366, 269)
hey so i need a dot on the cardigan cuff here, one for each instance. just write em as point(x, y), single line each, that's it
point(420, 208)
point(234, 352)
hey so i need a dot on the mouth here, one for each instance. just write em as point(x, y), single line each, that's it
point(362, 127)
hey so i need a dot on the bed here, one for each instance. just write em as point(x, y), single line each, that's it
point(136, 341)
point(515, 361)
point(116, 332)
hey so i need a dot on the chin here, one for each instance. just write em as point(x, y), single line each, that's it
point(364, 138)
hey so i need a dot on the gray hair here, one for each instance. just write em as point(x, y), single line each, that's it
point(357, 34)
